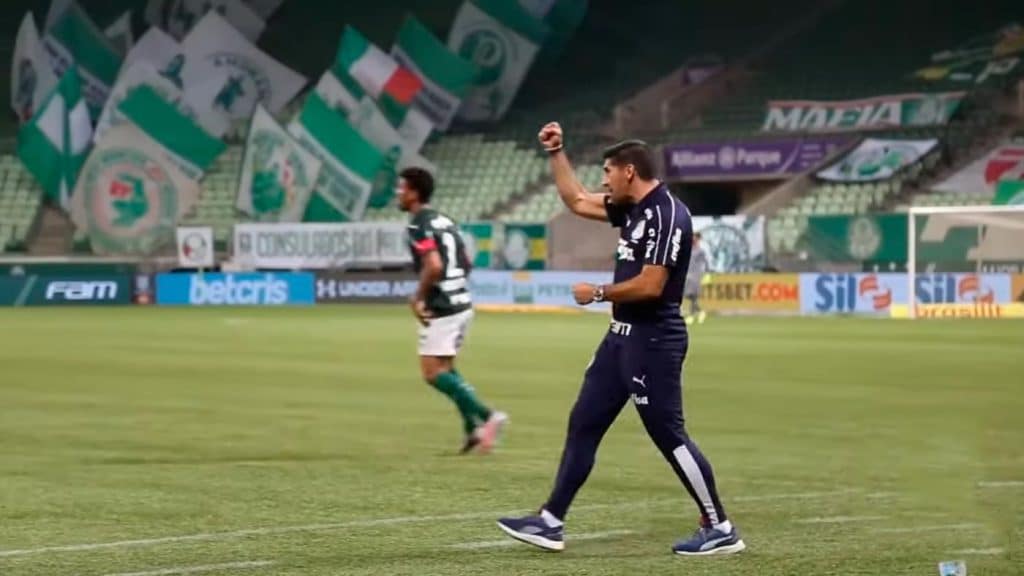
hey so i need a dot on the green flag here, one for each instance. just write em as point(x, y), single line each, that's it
point(350, 163)
point(1009, 192)
point(54, 144)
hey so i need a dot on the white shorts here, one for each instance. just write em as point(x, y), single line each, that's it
point(444, 336)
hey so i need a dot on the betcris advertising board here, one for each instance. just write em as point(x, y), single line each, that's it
point(235, 289)
point(877, 293)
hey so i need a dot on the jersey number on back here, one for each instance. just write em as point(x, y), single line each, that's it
point(452, 256)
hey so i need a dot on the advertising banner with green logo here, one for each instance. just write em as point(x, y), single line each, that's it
point(130, 194)
point(502, 39)
point(877, 159)
point(878, 113)
point(479, 240)
point(278, 174)
point(1009, 192)
point(525, 246)
point(879, 241)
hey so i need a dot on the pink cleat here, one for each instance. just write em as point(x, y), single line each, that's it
point(490, 432)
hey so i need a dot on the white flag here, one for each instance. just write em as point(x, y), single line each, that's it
point(32, 78)
point(130, 195)
point(502, 40)
point(335, 94)
point(213, 49)
point(159, 49)
point(179, 17)
point(120, 32)
point(278, 174)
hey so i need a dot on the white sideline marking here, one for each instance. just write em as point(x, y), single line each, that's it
point(198, 569)
point(840, 519)
point(981, 551)
point(1002, 484)
point(508, 542)
point(931, 528)
point(207, 536)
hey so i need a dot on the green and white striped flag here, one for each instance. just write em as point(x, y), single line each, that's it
point(75, 39)
point(398, 154)
point(278, 174)
point(395, 88)
point(185, 142)
point(130, 195)
point(143, 73)
point(502, 39)
point(337, 95)
point(32, 78)
point(53, 145)
point(446, 76)
point(350, 163)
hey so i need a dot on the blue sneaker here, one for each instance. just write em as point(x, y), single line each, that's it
point(707, 541)
point(534, 530)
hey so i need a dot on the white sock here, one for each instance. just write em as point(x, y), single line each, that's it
point(550, 519)
point(724, 527)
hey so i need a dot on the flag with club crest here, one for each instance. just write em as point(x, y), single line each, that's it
point(32, 77)
point(130, 194)
point(278, 174)
point(502, 39)
point(215, 50)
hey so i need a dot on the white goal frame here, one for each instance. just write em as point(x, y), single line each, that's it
point(914, 211)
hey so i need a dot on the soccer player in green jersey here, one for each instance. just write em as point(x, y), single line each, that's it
point(443, 306)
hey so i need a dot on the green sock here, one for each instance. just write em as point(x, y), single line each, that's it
point(462, 394)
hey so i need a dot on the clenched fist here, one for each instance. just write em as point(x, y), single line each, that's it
point(550, 136)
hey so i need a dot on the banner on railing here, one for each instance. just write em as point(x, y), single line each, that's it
point(316, 246)
point(753, 160)
point(881, 112)
point(877, 159)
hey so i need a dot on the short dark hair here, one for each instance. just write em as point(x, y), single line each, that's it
point(635, 152)
point(419, 180)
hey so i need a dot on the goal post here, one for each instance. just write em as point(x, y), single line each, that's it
point(986, 243)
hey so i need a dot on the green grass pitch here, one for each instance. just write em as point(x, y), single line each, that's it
point(301, 442)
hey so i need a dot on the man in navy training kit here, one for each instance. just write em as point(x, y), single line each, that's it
point(641, 357)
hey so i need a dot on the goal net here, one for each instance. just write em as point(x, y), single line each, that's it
point(965, 261)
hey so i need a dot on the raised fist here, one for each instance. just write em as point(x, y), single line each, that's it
point(550, 136)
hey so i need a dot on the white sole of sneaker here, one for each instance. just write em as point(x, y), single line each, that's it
point(534, 540)
point(720, 551)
